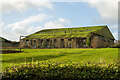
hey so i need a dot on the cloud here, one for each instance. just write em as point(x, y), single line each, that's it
point(22, 6)
point(1, 24)
point(115, 34)
point(23, 27)
point(59, 23)
point(28, 26)
point(107, 10)
point(109, 14)
point(3, 31)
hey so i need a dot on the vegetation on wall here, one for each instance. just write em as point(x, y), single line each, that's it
point(88, 40)
point(44, 44)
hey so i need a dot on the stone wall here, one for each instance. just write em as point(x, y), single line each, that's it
point(101, 42)
point(53, 43)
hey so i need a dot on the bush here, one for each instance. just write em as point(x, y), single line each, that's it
point(61, 70)
point(115, 46)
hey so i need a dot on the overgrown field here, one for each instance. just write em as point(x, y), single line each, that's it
point(79, 62)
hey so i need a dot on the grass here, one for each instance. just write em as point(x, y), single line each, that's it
point(107, 55)
point(46, 64)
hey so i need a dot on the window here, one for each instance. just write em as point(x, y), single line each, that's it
point(34, 41)
point(84, 40)
point(31, 42)
point(69, 39)
point(34, 46)
point(47, 40)
point(41, 40)
point(104, 40)
point(22, 40)
point(27, 41)
point(55, 40)
point(48, 46)
point(69, 45)
point(84, 45)
point(62, 39)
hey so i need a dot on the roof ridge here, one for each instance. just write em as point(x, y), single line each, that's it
point(75, 27)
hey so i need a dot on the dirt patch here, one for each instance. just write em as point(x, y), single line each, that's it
point(9, 51)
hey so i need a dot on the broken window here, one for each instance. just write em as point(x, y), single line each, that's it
point(84, 40)
point(69, 39)
point(69, 45)
point(48, 46)
point(22, 40)
point(84, 45)
point(47, 40)
point(34, 41)
point(62, 39)
point(31, 42)
point(55, 40)
point(41, 40)
point(27, 41)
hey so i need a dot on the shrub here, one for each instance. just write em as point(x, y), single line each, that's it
point(116, 46)
point(61, 70)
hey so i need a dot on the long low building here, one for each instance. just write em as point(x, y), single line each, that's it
point(4, 43)
point(79, 37)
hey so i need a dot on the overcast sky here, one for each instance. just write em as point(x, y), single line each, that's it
point(24, 18)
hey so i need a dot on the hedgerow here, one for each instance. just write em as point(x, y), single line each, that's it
point(61, 70)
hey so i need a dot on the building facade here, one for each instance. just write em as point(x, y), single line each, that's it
point(81, 37)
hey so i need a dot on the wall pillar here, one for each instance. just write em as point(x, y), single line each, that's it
point(66, 43)
point(58, 42)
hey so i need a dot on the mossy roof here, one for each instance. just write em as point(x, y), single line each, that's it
point(5, 40)
point(2, 39)
point(82, 32)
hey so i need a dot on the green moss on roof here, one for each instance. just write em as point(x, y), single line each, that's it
point(65, 32)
